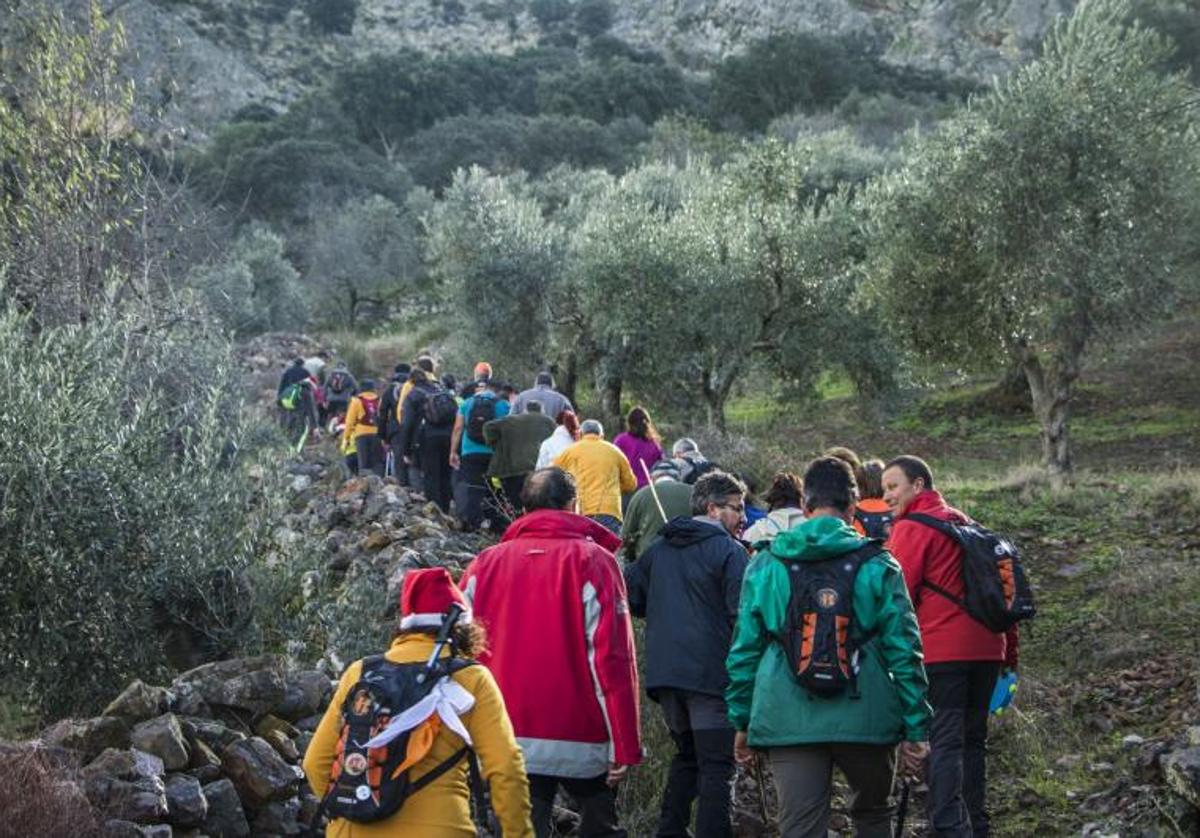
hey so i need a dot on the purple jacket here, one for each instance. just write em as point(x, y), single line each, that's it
point(636, 449)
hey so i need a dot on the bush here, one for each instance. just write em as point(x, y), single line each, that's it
point(43, 798)
point(129, 522)
point(593, 17)
point(335, 17)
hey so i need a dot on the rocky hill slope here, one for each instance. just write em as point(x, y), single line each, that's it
point(199, 61)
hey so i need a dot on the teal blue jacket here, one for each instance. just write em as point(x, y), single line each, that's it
point(763, 697)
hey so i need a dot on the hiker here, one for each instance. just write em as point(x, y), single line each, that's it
point(962, 656)
point(647, 514)
point(360, 439)
point(784, 509)
point(566, 434)
point(423, 444)
point(553, 600)
point(389, 419)
point(553, 402)
point(693, 465)
point(872, 516)
point(296, 398)
point(469, 713)
point(640, 443)
point(339, 388)
point(516, 439)
point(780, 702)
point(294, 374)
point(601, 472)
point(507, 392)
point(316, 364)
point(470, 454)
point(687, 587)
point(851, 459)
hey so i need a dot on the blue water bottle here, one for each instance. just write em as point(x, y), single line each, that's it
point(1006, 688)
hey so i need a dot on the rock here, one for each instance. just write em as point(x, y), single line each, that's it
point(186, 805)
point(1193, 736)
point(283, 746)
point(1182, 771)
point(376, 540)
point(1132, 741)
point(158, 830)
point(186, 700)
point(271, 723)
point(141, 801)
point(309, 723)
point(164, 738)
point(251, 684)
point(138, 702)
point(305, 693)
point(300, 483)
point(88, 736)
point(225, 816)
point(258, 772)
point(205, 765)
point(1100, 767)
point(129, 764)
point(127, 829)
point(1068, 761)
point(281, 817)
point(211, 732)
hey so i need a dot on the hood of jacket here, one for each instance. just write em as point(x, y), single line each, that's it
point(817, 539)
point(930, 502)
point(556, 523)
point(684, 532)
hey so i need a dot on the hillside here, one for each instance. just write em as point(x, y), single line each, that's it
point(197, 62)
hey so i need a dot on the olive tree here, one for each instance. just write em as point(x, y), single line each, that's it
point(1046, 215)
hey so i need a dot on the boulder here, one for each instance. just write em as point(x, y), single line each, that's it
point(258, 772)
point(164, 738)
point(226, 819)
point(141, 801)
point(267, 724)
point(283, 746)
point(88, 736)
point(252, 684)
point(282, 817)
point(210, 731)
point(138, 702)
point(127, 829)
point(130, 764)
point(186, 805)
point(186, 700)
point(305, 693)
point(1182, 771)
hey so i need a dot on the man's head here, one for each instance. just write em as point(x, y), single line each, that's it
point(508, 392)
point(297, 362)
point(426, 363)
point(904, 478)
point(483, 371)
point(720, 497)
point(786, 492)
point(664, 470)
point(685, 448)
point(533, 406)
point(367, 384)
point(418, 376)
point(401, 371)
point(592, 427)
point(829, 488)
point(549, 488)
point(850, 458)
point(544, 379)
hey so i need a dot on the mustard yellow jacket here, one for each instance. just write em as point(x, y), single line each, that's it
point(355, 426)
point(441, 809)
point(601, 475)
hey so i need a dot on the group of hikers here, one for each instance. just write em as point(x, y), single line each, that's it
point(840, 626)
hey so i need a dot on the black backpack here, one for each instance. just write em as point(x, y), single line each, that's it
point(996, 590)
point(440, 408)
point(820, 649)
point(483, 410)
point(875, 524)
point(365, 785)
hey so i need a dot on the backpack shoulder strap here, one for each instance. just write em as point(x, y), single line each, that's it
point(947, 529)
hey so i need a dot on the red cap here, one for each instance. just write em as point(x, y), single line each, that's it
point(426, 596)
point(483, 371)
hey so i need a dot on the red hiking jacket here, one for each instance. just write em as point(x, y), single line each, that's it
point(947, 633)
point(553, 602)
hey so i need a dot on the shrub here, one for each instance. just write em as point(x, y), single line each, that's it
point(42, 798)
point(335, 17)
point(593, 17)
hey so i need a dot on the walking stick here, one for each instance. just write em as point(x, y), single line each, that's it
point(650, 483)
point(762, 791)
point(902, 809)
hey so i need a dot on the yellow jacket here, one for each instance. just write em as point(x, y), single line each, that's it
point(355, 426)
point(441, 809)
point(602, 475)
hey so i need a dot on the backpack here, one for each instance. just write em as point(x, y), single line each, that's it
point(370, 784)
point(289, 399)
point(996, 590)
point(875, 524)
point(483, 410)
point(820, 650)
point(440, 408)
point(370, 410)
point(337, 382)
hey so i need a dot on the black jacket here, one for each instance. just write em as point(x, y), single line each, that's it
point(387, 410)
point(292, 375)
point(687, 586)
point(413, 427)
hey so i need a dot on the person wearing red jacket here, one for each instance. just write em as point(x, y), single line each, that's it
point(962, 656)
point(553, 601)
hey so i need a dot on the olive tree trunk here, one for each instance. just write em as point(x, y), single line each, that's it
point(1052, 386)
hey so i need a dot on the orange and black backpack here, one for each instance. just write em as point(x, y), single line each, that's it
point(996, 590)
point(818, 638)
point(873, 518)
point(370, 784)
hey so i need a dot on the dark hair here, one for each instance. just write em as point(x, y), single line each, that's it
point(715, 487)
point(786, 490)
point(402, 369)
point(549, 488)
point(533, 406)
point(418, 376)
point(450, 382)
point(851, 459)
point(297, 362)
point(366, 384)
point(544, 379)
point(425, 363)
point(638, 423)
point(470, 639)
point(872, 482)
point(829, 482)
point(913, 467)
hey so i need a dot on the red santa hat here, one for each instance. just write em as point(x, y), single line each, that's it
point(426, 596)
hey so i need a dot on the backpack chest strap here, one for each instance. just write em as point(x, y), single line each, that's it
point(448, 700)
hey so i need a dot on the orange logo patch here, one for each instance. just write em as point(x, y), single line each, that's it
point(827, 598)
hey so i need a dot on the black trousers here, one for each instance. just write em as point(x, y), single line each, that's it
point(960, 694)
point(597, 804)
point(512, 486)
point(369, 449)
point(471, 489)
point(434, 458)
point(702, 769)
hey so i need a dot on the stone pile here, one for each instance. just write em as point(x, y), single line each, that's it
point(214, 754)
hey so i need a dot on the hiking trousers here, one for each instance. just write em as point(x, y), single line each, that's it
point(804, 780)
point(511, 487)
point(369, 450)
point(701, 770)
point(472, 489)
point(597, 805)
point(960, 694)
point(434, 458)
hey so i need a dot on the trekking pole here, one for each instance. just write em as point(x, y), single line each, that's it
point(650, 483)
point(902, 809)
point(762, 792)
point(443, 637)
point(303, 439)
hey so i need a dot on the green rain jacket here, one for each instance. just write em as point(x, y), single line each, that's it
point(764, 698)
